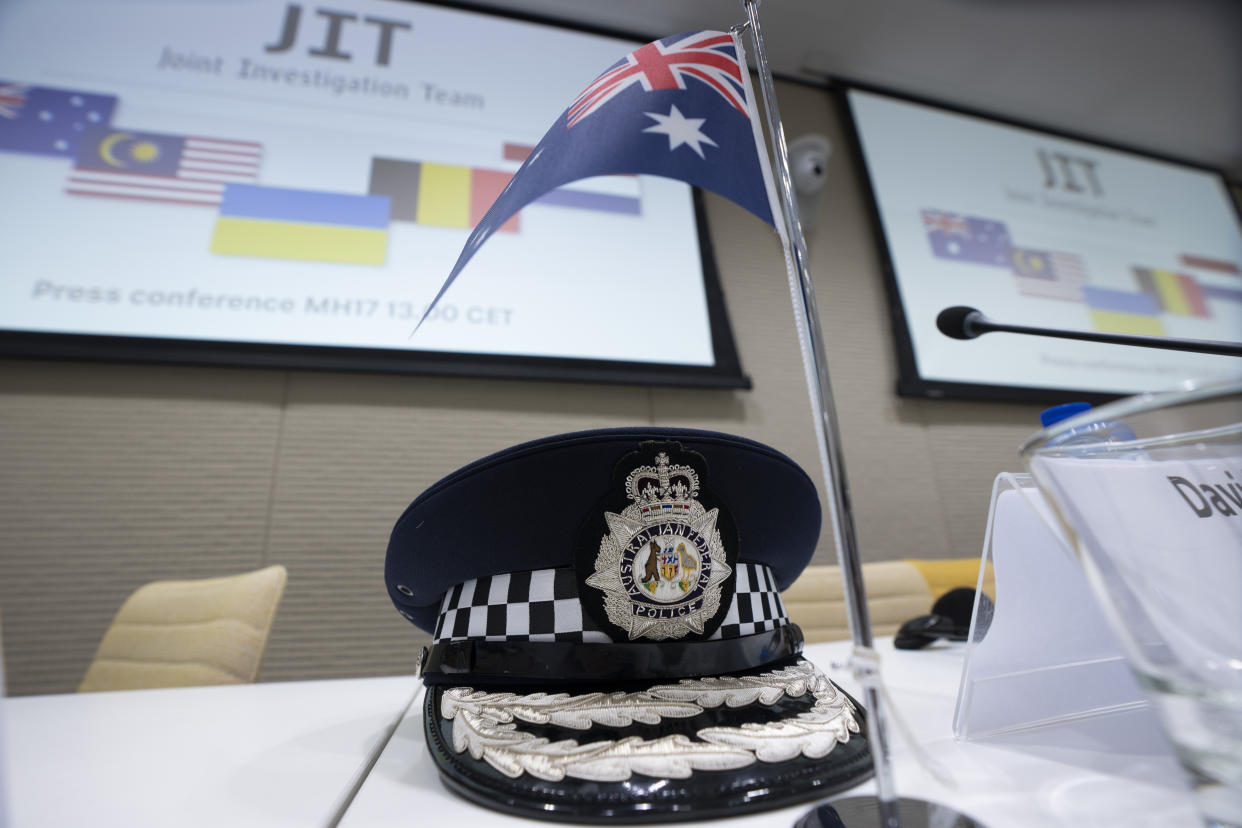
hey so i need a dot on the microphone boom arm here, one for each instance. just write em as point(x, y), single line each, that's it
point(967, 323)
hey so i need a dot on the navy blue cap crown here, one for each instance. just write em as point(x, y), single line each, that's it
point(523, 509)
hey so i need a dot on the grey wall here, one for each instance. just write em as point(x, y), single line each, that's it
point(114, 475)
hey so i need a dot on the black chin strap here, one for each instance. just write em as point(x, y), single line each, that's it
point(561, 663)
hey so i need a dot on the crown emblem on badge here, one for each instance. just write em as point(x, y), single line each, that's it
point(662, 486)
point(661, 566)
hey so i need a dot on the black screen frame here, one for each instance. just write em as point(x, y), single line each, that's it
point(909, 382)
point(725, 373)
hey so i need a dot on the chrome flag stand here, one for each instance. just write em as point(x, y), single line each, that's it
point(863, 660)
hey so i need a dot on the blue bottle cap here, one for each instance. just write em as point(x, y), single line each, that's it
point(1062, 412)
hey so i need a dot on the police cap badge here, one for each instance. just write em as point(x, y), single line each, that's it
point(609, 641)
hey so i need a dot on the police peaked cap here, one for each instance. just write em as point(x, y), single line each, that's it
point(609, 643)
point(490, 517)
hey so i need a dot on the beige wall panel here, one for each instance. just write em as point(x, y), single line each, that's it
point(974, 443)
point(354, 452)
point(115, 475)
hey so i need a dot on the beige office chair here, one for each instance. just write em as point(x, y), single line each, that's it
point(183, 633)
point(896, 592)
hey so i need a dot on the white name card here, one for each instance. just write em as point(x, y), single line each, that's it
point(1165, 530)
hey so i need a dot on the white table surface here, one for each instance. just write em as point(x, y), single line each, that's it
point(1055, 779)
point(241, 755)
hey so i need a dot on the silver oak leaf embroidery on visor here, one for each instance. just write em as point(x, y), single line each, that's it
point(484, 724)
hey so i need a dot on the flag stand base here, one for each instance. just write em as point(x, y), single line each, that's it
point(864, 812)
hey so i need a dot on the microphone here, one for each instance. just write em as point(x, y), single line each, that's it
point(962, 322)
point(958, 321)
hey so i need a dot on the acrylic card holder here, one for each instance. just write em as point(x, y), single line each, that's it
point(1045, 660)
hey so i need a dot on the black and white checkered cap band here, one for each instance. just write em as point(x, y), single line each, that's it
point(542, 605)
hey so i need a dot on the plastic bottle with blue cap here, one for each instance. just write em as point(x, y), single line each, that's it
point(1102, 431)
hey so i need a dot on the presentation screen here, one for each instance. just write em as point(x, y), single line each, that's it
point(288, 184)
point(1035, 228)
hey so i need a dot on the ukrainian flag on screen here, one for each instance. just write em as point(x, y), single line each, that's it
point(312, 225)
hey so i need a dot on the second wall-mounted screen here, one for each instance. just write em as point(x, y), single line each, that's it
point(1040, 229)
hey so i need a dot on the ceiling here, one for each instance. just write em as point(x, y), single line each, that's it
point(1157, 75)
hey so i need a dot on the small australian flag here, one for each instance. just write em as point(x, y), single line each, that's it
point(681, 107)
point(967, 239)
point(47, 121)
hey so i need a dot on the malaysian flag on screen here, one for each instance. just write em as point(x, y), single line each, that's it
point(168, 169)
point(1049, 274)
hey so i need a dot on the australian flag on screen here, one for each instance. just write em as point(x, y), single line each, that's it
point(680, 107)
point(967, 239)
point(47, 121)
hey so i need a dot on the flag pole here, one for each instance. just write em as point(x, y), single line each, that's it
point(863, 660)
